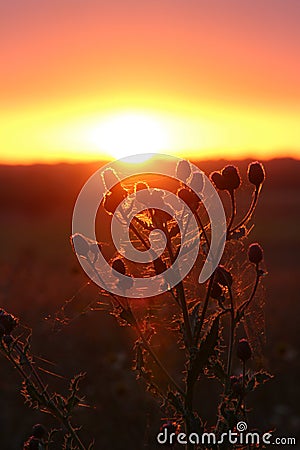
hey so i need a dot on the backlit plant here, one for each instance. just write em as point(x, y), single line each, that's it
point(208, 327)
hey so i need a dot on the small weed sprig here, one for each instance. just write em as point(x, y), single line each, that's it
point(16, 350)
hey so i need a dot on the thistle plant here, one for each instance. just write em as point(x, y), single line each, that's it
point(207, 325)
point(15, 346)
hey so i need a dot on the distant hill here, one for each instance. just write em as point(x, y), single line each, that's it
point(41, 187)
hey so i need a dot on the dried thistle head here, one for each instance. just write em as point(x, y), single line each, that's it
point(255, 253)
point(243, 350)
point(119, 266)
point(110, 178)
point(190, 198)
point(218, 180)
point(8, 322)
point(226, 180)
point(183, 170)
point(256, 173)
point(80, 244)
point(223, 276)
point(231, 177)
point(114, 197)
point(197, 182)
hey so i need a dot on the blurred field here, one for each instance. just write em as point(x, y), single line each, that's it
point(39, 272)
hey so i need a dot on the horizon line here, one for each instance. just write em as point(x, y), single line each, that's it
point(106, 160)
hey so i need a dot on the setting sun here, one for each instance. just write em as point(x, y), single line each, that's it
point(116, 81)
point(124, 134)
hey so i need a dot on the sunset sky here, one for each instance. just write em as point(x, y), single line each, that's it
point(90, 79)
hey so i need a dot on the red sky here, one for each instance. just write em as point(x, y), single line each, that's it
point(229, 69)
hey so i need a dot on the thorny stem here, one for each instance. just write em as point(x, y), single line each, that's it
point(186, 319)
point(33, 371)
point(203, 313)
point(148, 347)
point(180, 294)
point(48, 401)
point(146, 344)
point(174, 296)
point(179, 288)
point(243, 405)
point(146, 245)
point(233, 209)
point(246, 303)
point(73, 433)
point(134, 229)
point(138, 235)
point(231, 335)
point(189, 396)
point(244, 379)
point(202, 229)
point(156, 360)
point(250, 210)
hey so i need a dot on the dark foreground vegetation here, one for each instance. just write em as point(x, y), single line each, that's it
point(39, 273)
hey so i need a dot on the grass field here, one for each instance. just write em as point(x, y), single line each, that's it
point(39, 272)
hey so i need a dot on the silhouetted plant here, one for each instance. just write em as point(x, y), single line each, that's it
point(204, 321)
point(17, 350)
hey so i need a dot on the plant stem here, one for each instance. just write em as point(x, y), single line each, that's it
point(180, 293)
point(202, 229)
point(157, 361)
point(140, 334)
point(203, 313)
point(246, 303)
point(189, 396)
point(186, 319)
point(231, 335)
point(67, 424)
point(48, 402)
point(233, 209)
point(33, 372)
point(250, 210)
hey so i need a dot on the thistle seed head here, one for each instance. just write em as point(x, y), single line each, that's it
point(255, 253)
point(231, 177)
point(190, 198)
point(218, 180)
point(244, 351)
point(80, 245)
point(119, 266)
point(256, 173)
point(8, 322)
point(183, 170)
point(197, 182)
point(223, 276)
point(110, 178)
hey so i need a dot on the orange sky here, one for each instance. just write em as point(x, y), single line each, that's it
point(221, 78)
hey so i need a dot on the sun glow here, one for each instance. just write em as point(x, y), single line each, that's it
point(124, 134)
